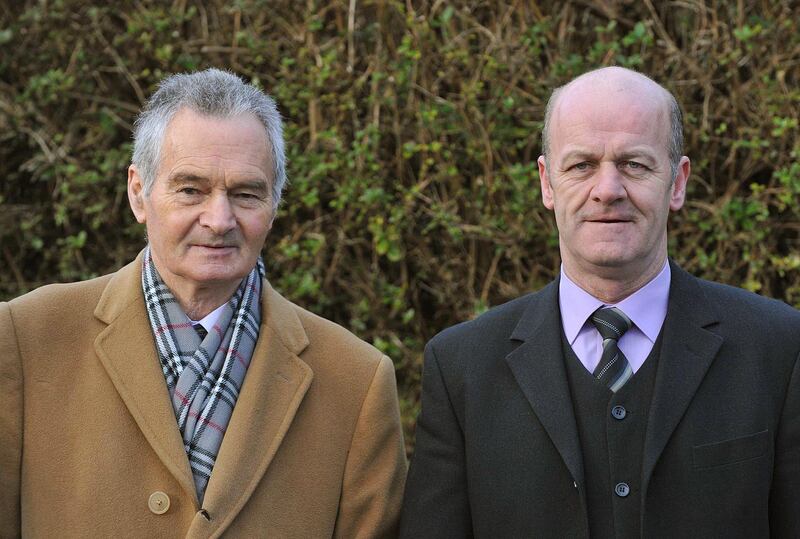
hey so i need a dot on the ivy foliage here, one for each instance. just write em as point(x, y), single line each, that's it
point(412, 134)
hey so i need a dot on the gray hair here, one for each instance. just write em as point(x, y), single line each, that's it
point(212, 92)
point(675, 132)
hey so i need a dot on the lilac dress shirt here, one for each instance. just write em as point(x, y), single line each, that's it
point(647, 308)
point(209, 320)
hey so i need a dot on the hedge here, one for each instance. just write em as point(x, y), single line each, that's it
point(412, 133)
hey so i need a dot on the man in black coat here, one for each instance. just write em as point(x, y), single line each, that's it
point(627, 398)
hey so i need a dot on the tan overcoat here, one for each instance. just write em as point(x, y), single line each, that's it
point(89, 444)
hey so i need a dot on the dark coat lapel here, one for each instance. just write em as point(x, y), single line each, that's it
point(538, 366)
point(687, 352)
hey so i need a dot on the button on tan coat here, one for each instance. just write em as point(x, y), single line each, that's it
point(88, 435)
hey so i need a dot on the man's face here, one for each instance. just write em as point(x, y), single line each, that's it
point(210, 207)
point(608, 181)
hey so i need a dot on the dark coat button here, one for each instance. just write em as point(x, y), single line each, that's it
point(619, 412)
point(622, 490)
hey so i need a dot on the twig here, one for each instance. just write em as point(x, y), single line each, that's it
point(351, 24)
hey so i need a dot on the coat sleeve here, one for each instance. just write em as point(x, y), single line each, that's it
point(10, 426)
point(435, 502)
point(374, 475)
point(784, 502)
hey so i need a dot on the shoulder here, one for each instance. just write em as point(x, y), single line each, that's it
point(741, 318)
point(344, 367)
point(59, 300)
point(326, 347)
point(489, 334)
point(732, 303)
point(335, 339)
point(56, 321)
point(497, 319)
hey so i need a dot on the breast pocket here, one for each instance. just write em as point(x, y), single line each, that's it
point(731, 451)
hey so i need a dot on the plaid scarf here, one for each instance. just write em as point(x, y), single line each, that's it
point(203, 377)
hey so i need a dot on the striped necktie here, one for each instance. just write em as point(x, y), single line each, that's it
point(613, 369)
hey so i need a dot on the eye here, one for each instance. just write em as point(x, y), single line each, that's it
point(581, 166)
point(247, 199)
point(190, 191)
point(634, 165)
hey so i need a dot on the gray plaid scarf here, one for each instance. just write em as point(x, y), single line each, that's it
point(203, 378)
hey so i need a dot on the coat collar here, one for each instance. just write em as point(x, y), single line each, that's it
point(275, 384)
point(688, 349)
point(538, 366)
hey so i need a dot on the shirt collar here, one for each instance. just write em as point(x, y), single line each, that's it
point(647, 307)
point(210, 319)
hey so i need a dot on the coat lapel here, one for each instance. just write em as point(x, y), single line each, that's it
point(275, 384)
point(538, 366)
point(127, 351)
point(687, 352)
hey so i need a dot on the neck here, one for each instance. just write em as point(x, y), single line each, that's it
point(613, 287)
point(197, 299)
point(198, 306)
point(198, 302)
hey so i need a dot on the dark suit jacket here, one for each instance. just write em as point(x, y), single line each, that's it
point(497, 448)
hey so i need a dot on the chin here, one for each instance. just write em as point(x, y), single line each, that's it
point(608, 258)
point(216, 274)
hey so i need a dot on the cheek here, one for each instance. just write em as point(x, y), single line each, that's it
point(255, 222)
point(254, 229)
point(568, 205)
point(160, 236)
point(171, 227)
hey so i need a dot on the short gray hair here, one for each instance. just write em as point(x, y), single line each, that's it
point(675, 132)
point(212, 92)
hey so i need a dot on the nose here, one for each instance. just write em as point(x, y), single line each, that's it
point(608, 186)
point(218, 215)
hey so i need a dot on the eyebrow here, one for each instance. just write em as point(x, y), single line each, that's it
point(186, 177)
point(637, 153)
point(586, 155)
point(258, 185)
point(582, 155)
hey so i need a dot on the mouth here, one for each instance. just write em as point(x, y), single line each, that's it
point(609, 221)
point(214, 247)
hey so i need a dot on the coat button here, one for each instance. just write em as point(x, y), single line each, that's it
point(619, 412)
point(158, 502)
point(622, 490)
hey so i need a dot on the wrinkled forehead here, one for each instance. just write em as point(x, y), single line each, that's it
point(203, 135)
point(597, 104)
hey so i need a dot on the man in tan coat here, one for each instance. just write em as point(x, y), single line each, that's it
point(182, 396)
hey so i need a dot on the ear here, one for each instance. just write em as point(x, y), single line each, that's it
point(136, 194)
point(678, 195)
point(544, 181)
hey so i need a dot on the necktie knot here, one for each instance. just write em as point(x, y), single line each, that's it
point(613, 369)
point(201, 331)
point(611, 322)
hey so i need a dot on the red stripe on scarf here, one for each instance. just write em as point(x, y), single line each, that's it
point(207, 421)
point(162, 329)
point(182, 397)
point(237, 355)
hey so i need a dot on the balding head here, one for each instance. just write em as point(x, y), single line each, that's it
point(606, 83)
